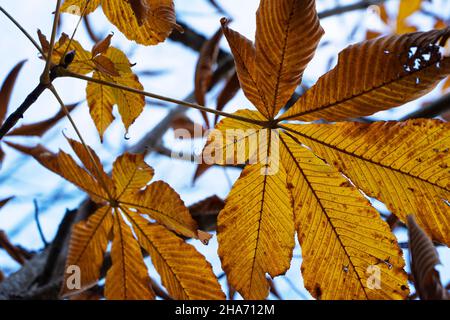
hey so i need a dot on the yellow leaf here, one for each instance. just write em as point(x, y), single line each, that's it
point(124, 201)
point(163, 204)
point(256, 229)
point(127, 279)
point(82, 63)
point(234, 141)
point(157, 26)
point(79, 6)
point(375, 75)
point(288, 33)
point(102, 98)
point(331, 213)
point(149, 25)
point(406, 9)
point(87, 248)
point(405, 165)
point(244, 58)
point(130, 174)
point(90, 161)
point(64, 165)
point(184, 272)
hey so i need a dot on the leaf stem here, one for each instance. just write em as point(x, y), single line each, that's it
point(66, 73)
point(45, 78)
point(19, 26)
point(14, 117)
point(91, 156)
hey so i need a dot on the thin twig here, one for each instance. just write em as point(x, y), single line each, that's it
point(14, 117)
point(351, 7)
point(19, 26)
point(74, 32)
point(66, 73)
point(36, 218)
point(45, 78)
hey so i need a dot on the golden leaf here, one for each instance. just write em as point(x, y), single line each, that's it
point(127, 279)
point(148, 23)
point(287, 35)
point(390, 71)
point(331, 213)
point(256, 229)
point(125, 199)
point(405, 165)
point(184, 272)
point(102, 98)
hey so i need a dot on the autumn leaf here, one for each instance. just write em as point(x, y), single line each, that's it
point(313, 178)
point(147, 22)
point(408, 64)
point(126, 205)
point(107, 64)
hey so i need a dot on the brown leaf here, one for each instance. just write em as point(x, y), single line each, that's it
point(39, 128)
point(43, 40)
point(204, 69)
point(5, 201)
point(101, 46)
point(140, 10)
point(106, 66)
point(206, 211)
point(229, 92)
point(7, 88)
point(424, 258)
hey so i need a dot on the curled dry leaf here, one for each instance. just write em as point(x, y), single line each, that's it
point(101, 46)
point(147, 22)
point(424, 258)
point(133, 216)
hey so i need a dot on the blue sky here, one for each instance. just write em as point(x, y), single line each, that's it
point(25, 179)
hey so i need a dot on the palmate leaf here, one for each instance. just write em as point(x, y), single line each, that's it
point(147, 22)
point(318, 172)
point(126, 206)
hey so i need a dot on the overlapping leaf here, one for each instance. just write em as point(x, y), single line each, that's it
point(344, 240)
point(147, 22)
point(107, 64)
point(126, 205)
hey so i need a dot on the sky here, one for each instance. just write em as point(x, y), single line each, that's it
point(28, 181)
